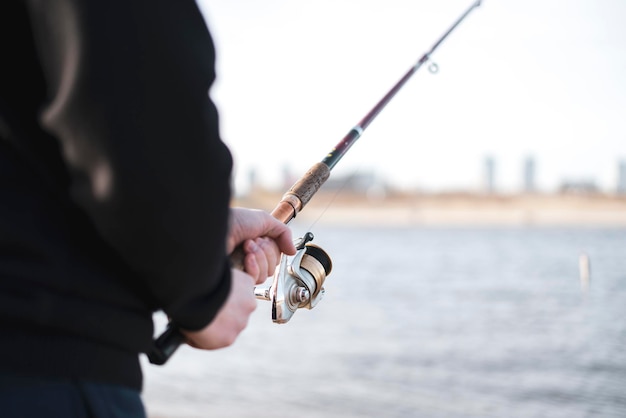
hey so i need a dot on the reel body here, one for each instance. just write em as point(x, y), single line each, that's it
point(298, 281)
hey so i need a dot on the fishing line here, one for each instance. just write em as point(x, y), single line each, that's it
point(340, 189)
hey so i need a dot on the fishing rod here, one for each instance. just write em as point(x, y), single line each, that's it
point(298, 281)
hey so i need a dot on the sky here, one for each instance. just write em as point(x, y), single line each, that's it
point(544, 79)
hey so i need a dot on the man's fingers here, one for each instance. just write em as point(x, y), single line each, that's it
point(281, 234)
point(254, 223)
point(252, 267)
point(261, 257)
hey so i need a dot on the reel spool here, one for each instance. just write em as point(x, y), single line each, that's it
point(298, 281)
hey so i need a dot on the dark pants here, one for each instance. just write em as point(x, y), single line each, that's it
point(51, 398)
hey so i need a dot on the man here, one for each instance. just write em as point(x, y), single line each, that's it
point(114, 202)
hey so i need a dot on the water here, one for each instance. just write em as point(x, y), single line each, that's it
point(427, 322)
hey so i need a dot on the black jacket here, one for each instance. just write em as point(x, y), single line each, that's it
point(114, 183)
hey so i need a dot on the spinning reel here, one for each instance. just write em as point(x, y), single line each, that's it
point(298, 281)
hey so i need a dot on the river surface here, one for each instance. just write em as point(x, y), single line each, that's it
point(427, 322)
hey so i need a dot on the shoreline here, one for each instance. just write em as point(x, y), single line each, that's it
point(455, 209)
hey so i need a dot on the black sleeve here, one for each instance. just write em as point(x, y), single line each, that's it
point(128, 100)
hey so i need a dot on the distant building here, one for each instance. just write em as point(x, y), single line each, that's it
point(253, 178)
point(288, 178)
point(529, 175)
point(367, 182)
point(621, 177)
point(579, 187)
point(490, 168)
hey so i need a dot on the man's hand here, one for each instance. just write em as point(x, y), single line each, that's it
point(231, 319)
point(262, 255)
point(263, 238)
